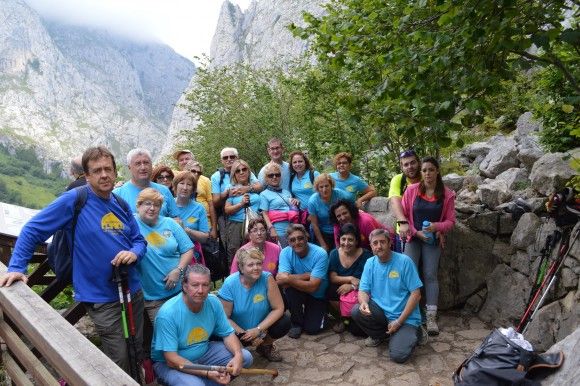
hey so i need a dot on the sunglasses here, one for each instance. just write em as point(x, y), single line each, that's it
point(241, 170)
point(164, 177)
point(274, 175)
point(231, 156)
point(408, 153)
point(297, 238)
point(196, 171)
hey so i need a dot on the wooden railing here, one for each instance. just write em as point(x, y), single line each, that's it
point(38, 344)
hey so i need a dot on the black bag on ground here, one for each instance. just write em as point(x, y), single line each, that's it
point(499, 361)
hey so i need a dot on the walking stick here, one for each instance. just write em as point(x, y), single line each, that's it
point(224, 369)
point(121, 278)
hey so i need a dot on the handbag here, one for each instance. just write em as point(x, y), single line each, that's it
point(347, 301)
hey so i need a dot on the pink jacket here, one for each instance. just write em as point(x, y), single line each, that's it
point(447, 220)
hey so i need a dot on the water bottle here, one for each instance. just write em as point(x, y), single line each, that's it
point(429, 235)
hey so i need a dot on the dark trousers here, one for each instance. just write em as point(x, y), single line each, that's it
point(276, 331)
point(306, 311)
point(401, 343)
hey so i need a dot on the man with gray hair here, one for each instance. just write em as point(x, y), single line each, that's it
point(388, 297)
point(183, 328)
point(141, 168)
point(77, 172)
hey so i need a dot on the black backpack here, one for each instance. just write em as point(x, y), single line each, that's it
point(59, 254)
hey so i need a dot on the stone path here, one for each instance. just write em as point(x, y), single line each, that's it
point(343, 359)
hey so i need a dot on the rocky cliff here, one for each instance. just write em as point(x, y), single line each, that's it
point(64, 88)
point(258, 37)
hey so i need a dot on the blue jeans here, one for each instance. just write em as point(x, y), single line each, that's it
point(216, 355)
point(426, 259)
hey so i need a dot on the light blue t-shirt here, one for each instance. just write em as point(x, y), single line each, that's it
point(217, 188)
point(130, 191)
point(193, 216)
point(315, 263)
point(390, 285)
point(278, 201)
point(166, 241)
point(284, 181)
point(239, 216)
point(250, 305)
point(178, 329)
point(303, 187)
point(353, 185)
point(321, 209)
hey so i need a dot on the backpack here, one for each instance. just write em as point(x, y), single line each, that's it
point(59, 254)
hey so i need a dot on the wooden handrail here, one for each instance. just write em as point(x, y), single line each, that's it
point(67, 351)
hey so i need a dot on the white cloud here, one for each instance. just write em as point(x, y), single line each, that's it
point(186, 25)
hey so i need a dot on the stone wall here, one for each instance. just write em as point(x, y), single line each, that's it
point(490, 261)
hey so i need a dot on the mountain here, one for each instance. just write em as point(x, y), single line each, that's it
point(64, 88)
point(257, 36)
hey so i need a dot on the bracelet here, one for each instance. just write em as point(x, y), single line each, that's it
point(180, 269)
point(207, 374)
point(353, 286)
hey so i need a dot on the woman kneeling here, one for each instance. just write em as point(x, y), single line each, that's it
point(254, 306)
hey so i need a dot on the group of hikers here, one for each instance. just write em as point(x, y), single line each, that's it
point(303, 256)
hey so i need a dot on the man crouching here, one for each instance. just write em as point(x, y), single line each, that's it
point(389, 293)
point(183, 327)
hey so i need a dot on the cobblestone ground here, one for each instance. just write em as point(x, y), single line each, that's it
point(343, 359)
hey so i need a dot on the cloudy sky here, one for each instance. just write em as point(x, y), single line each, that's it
point(186, 25)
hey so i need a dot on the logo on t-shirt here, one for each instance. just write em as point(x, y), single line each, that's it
point(307, 185)
point(191, 220)
point(111, 223)
point(350, 188)
point(167, 233)
point(155, 239)
point(196, 335)
point(393, 275)
point(258, 298)
point(271, 266)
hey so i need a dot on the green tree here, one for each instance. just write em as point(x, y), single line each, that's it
point(420, 72)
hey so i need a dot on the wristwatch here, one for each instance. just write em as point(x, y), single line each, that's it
point(401, 222)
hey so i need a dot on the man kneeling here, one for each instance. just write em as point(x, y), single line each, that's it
point(181, 336)
point(393, 309)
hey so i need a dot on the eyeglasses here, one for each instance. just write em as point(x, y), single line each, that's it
point(231, 156)
point(342, 163)
point(274, 175)
point(196, 172)
point(164, 177)
point(408, 153)
point(151, 204)
point(258, 231)
point(295, 239)
point(241, 170)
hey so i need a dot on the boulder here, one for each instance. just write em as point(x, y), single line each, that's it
point(526, 124)
point(466, 208)
point(515, 178)
point(542, 330)
point(569, 373)
point(468, 196)
point(502, 251)
point(493, 193)
point(550, 173)
point(453, 181)
point(524, 233)
point(464, 266)
point(475, 301)
point(378, 204)
point(507, 295)
point(475, 149)
point(529, 150)
point(501, 157)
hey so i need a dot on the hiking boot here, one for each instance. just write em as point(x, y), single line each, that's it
point(270, 352)
point(373, 342)
point(422, 335)
point(295, 332)
point(339, 327)
point(432, 327)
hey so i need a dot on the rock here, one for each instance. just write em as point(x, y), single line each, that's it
point(493, 223)
point(524, 233)
point(542, 331)
point(569, 373)
point(493, 193)
point(475, 301)
point(507, 296)
point(529, 150)
point(465, 208)
point(453, 181)
point(568, 279)
point(521, 262)
point(477, 334)
point(475, 149)
point(526, 124)
point(501, 157)
point(469, 197)
point(471, 181)
point(502, 251)
point(378, 204)
point(551, 172)
point(515, 178)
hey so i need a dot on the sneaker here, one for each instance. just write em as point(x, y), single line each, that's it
point(432, 327)
point(295, 332)
point(339, 327)
point(423, 336)
point(373, 342)
point(270, 352)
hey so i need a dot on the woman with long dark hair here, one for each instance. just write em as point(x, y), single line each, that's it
point(428, 202)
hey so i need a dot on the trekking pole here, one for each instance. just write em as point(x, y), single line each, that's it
point(551, 242)
point(551, 276)
point(122, 285)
